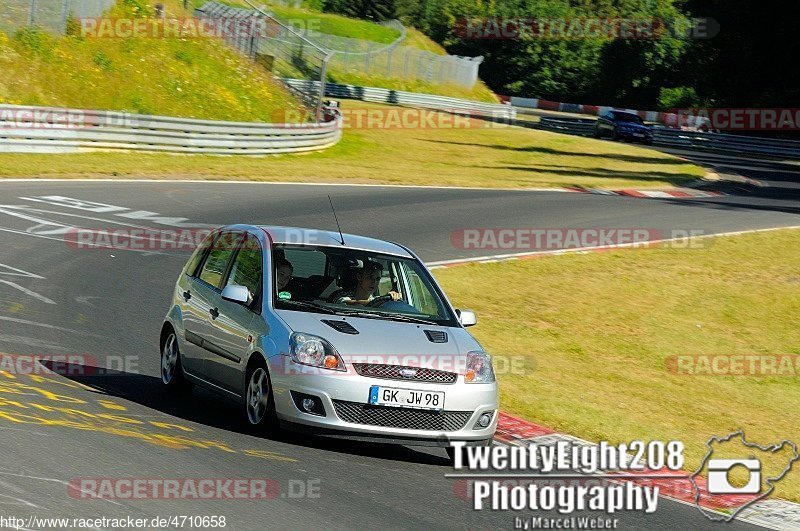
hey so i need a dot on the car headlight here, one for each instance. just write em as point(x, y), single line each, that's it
point(479, 368)
point(307, 349)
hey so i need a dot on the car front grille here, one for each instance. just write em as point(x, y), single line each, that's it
point(396, 417)
point(393, 372)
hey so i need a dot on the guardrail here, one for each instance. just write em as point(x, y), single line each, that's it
point(410, 99)
point(25, 129)
point(668, 137)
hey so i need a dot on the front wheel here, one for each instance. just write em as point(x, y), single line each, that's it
point(260, 404)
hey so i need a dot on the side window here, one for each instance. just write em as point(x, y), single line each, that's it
point(422, 299)
point(197, 256)
point(247, 269)
point(218, 257)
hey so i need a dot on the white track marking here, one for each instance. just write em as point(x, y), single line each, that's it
point(115, 210)
point(18, 272)
point(26, 291)
point(43, 325)
point(20, 500)
point(54, 480)
point(69, 214)
point(22, 232)
point(79, 204)
point(146, 252)
point(32, 342)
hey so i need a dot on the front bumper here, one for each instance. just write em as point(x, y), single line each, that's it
point(635, 136)
point(344, 396)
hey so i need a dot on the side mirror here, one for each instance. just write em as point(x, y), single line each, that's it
point(236, 293)
point(467, 317)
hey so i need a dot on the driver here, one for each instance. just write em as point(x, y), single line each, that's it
point(367, 280)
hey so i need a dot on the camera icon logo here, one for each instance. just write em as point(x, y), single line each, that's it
point(737, 483)
point(719, 476)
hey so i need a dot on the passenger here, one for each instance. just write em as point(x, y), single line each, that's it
point(367, 280)
point(283, 275)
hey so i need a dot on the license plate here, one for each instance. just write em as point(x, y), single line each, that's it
point(390, 396)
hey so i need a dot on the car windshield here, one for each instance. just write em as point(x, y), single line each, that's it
point(354, 282)
point(627, 117)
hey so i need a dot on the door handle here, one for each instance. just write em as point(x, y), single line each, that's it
point(187, 295)
point(214, 313)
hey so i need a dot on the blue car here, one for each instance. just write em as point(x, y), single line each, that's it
point(621, 125)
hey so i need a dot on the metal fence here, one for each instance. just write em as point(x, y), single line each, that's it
point(26, 129)
point(373, 58)
point(274, 45)
point(404, 62)
point(48, 14)
point(397, 61)
point(668, 137)
point(491, 111)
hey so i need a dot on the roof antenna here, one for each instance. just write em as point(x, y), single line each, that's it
point(337, 219)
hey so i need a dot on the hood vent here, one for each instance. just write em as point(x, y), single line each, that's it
point(436, 336)
point(340, 326)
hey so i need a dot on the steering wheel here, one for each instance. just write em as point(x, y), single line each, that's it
point(377, 301)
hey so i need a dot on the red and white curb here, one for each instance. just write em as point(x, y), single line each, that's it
point(669, 193)
point(772, 514)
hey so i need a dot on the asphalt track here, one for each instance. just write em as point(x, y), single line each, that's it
point(108, 305)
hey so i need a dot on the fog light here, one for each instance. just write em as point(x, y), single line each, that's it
point(485, 420)
point(308, 404)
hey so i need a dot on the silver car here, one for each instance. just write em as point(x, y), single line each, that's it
point(339, 335)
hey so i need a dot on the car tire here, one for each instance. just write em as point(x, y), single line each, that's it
point(259, 400)
point(171, 367)
point(597, 132)
point(615, 135)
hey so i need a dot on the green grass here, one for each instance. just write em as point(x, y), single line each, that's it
point(417, 39)
point(336, 24)
point(596, 332)
point(200, 78)
point(309, 19)
point(480, 156)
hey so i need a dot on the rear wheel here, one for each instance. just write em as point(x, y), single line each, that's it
point(171, 369)
point(260, 404)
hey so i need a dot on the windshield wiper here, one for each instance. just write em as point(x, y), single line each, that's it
point(314, 305)
point(393, 316)
point(360, 313)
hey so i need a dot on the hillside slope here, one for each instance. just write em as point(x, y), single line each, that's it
point(201, 78)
